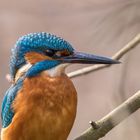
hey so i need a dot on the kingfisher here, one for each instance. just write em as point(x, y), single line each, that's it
point(41, 102)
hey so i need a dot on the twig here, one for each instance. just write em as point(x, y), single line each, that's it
point(112, 119)
point(132, 44)
point(93, 125)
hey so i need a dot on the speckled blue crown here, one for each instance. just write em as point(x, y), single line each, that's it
point(37, 42)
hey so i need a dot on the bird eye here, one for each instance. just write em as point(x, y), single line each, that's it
point(49, 53)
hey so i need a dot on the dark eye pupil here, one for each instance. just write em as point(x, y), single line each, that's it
point(50, 52)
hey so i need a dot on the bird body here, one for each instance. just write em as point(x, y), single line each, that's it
point(42, 101)
point(45, 107)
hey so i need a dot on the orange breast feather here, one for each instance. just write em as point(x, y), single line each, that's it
point(45, 109)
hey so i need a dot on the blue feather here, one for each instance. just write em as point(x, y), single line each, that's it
point(41, 66)
point(7, 112)
point(37, 42)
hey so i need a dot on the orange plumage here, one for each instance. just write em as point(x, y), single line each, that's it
point(45, 109)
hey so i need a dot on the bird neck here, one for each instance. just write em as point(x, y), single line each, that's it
point(53, 72)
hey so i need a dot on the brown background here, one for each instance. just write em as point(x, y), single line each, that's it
point(95, 26)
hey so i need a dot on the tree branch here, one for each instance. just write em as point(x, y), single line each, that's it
point(132, 44)
point(115, 117)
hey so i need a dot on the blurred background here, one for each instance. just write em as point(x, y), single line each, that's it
point(93, 26)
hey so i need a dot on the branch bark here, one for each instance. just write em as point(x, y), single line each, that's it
point(132, 44)
point(100, 128)
point(103, 126)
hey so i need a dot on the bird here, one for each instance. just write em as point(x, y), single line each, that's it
point(41, 103)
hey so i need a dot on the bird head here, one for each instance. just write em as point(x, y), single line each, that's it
point(44, 51)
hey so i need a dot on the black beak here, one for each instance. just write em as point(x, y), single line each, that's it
point(83, 58)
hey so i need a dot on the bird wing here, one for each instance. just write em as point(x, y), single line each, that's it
point(7, 112)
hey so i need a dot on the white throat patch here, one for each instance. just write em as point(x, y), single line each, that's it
point(57, 71)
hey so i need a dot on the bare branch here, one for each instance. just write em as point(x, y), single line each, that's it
point(132, 44)
point(112, 119)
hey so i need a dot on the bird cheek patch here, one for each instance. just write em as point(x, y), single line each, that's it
point(34, 57)
point(63, 53)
